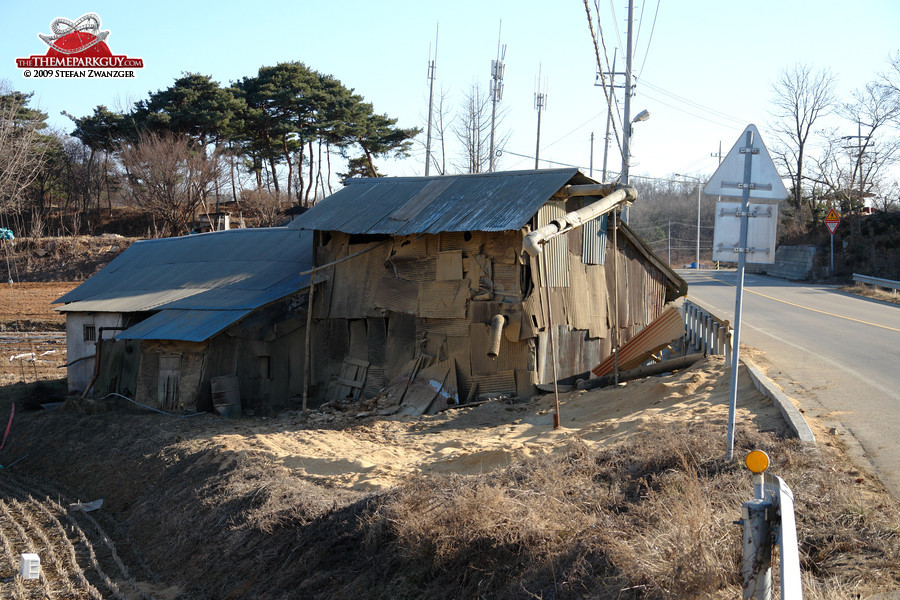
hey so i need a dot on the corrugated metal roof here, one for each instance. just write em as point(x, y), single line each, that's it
point(239, 269)
point(503, 201)
point(184, 325)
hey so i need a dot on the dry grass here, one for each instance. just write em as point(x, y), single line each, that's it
point(651, 518)
point(861, 289)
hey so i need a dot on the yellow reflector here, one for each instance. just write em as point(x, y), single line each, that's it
point(757, 461)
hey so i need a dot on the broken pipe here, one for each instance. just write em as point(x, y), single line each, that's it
point(497, 324)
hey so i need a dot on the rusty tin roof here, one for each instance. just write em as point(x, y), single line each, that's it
point(501, 201)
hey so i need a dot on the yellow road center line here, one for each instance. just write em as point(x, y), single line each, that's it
point(807, 307)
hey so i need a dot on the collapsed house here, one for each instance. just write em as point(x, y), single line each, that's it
point(173, 322)
point(427, 279)
point(451, 288)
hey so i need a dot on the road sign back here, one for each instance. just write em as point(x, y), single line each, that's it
point(832, 221)
point(765, 183)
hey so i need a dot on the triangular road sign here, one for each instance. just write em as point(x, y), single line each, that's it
point(765, 183)
point(832, 221)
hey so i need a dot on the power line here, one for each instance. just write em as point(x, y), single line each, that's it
point(694, 104)
point(650, 41)
point(612, 9)
point(609, 104)
point(576, 129)
point(695, 115)
point(552, 162)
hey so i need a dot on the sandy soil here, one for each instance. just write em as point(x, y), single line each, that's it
point(333, 457)
point(377, 453)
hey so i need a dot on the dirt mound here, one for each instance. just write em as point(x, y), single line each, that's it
point(630, 497)
point(60, 258)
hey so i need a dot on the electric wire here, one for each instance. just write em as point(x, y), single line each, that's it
point(694, 104)
point(612, 9)
point(573, 131)
point(162, 412)
point(637, 35)
point(587, 10)
point(694, 114)
point(649, 41)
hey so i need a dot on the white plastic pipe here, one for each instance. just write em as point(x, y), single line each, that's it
point(569, 221)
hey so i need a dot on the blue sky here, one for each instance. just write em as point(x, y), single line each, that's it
point(704, 74)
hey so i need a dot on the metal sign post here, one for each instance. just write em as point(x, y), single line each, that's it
point(831, 222)
point(739, 296)
point(738, 175)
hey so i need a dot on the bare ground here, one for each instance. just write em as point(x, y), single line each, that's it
point(630, 498)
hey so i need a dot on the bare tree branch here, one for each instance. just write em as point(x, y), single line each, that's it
point(169, 177)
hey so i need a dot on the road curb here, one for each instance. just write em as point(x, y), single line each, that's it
point(794, 417)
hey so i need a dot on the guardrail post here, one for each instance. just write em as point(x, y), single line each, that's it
point(706, 321)
point(757, 555)
point(768, 518)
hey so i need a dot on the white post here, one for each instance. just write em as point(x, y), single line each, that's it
point(698, 223)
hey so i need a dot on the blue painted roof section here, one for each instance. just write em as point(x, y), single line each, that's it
point(184, 325)
point(503, 201)
point(238, 269)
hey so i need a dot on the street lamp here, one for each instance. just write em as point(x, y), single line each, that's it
point(699, 181)
point(641, 116)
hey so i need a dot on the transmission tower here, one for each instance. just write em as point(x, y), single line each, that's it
point(497, 71)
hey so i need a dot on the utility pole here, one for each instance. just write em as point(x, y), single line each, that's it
point(860, 151)
point(699, 181)
point(719, 156)
point(497, 69)
point(540, 103)
point(670, 241)
point(431, 65)
point(626, 119)
point(609, 95)
point(591, 166)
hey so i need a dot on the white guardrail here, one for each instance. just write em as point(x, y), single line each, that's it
point(876, 281)
point(704, 332)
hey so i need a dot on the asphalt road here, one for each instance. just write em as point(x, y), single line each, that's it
point(837, 354)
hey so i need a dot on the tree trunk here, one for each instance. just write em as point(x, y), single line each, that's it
point(319, 175)
point(372, 172)
point(311, 175)
point(290, 165)
point(328, 158)
point(274, 174)
point(299, 155)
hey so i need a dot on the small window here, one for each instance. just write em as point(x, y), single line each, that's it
point(265, 367)
point(90, 333)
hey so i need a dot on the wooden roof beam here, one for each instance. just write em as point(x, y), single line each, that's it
point(592, 189)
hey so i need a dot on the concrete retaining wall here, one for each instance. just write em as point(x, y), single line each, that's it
point(791, 262)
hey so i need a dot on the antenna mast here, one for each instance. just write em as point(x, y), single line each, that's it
point(431, 65)
point(497, 69)
point(540, 103)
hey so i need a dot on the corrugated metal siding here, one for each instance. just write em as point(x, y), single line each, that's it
point(593, 250)
point(656, 292)
point(667, 327)
point(410, 205)
point(556, 251)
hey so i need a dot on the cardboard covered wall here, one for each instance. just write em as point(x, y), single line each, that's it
point(435, 296)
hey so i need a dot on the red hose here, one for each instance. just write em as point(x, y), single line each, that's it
point(12, 414)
